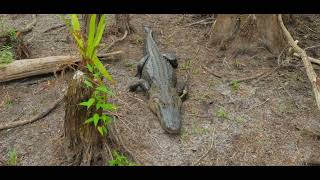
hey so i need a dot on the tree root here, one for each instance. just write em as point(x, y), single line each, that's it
point(115, 41)
point(29, 26)
point(315, 82)
point(33, 119)
point(54, 27)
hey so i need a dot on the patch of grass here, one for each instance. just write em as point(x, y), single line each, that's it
point(130, 64)
point(221, 113)
point(187, 65)
point(13, 35)
point(120, 160)
point(12, 158)
point(235, 86)
point(198, 130)
point(7, 101)
point(184, 134)
point(6, 55)
point(237, 64)
point(239, 120)
point(195, 71)
point(136, 39)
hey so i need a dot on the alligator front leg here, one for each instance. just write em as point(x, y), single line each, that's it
point(143, 84)
point(140, 66)
point(172, 58)
point(182, 89)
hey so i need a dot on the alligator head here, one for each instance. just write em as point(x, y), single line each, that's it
point(167, 107)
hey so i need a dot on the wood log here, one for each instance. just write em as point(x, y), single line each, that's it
point(31, 67)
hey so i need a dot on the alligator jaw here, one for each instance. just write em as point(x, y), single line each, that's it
point(168, 114)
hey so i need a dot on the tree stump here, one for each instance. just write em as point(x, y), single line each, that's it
point(122, 23)
point(85, 146)
point(234, 31)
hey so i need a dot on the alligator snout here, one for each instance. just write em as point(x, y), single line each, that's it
point(170, 120)
point(169, 115)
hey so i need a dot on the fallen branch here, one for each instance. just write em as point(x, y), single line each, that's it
point(313, 60)
point(259, 75)
point(33, 119)
point(54, 27)
point(31, 67)
point(315, 82)
point(203, 21)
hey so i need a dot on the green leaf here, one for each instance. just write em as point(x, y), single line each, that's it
point(98, 106)
point(101, 27)
point(104, 129)
point(89, 120)
point(90, 42)
point(106, 119)
point(102, 88)
point(101, 68)
point(90, 68)
point(76, 32)
point(100, 130)
point(75, 22)
point(88, 83)
point(88, 103)
point(95, 119)
point(109, 107)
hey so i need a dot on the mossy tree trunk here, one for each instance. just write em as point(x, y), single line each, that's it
point(236, 32)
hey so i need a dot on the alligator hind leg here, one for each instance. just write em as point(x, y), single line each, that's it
point(143, 84)
point(172, 58)
point(140, 66)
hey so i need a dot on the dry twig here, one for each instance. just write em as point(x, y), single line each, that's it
point(34, 118)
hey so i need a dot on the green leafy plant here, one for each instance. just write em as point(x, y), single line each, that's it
point(95, 70)
point(12, 158)
point(6, 56)
point(235, 85)
point(120, 160)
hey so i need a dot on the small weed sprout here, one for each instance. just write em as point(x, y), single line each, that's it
point(235, 86)
point(120, 160)
point(6, 56)
point(12, 158)
point(187, 65)
point(222, 114)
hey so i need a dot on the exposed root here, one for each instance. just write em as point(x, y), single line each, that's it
point(33, 119)
point(30, 26)
point(115, 41)
point(54, 27)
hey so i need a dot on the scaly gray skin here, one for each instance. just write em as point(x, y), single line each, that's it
point(156, 76)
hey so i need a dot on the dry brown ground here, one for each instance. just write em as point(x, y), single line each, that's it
point(268, 121)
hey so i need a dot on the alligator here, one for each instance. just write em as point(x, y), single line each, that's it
point(157, 77)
